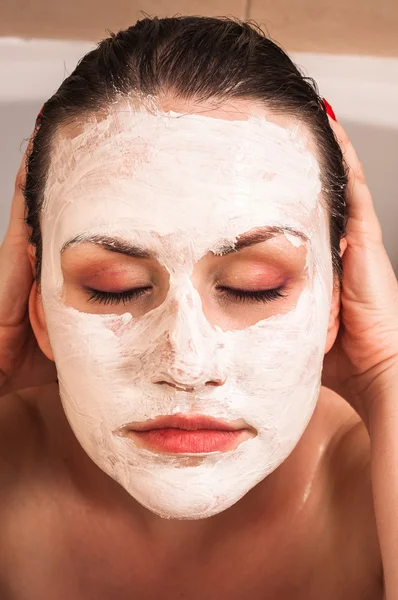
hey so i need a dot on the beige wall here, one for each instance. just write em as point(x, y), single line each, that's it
point(341, 26)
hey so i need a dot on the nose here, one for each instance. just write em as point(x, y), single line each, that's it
point(186, 376)
point(192, 358)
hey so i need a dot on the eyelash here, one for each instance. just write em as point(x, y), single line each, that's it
point(254, 296)
point(116, 297)
point(239, 295)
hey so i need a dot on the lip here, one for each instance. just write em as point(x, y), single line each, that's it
point(188, 434)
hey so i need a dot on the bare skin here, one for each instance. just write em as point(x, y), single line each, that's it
point(307, 531)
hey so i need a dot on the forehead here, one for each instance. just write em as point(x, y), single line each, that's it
point(138, 171)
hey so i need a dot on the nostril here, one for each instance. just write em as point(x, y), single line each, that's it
point(174, 385)
point(216, 382)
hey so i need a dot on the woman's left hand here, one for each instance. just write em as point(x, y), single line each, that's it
point(363, 363)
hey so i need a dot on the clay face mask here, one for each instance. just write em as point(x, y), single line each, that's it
point(182, 186)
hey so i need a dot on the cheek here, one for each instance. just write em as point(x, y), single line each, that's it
point(87, 348)
point(276, 366)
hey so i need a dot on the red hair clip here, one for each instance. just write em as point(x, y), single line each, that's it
point(38, 118)
point(329, 109)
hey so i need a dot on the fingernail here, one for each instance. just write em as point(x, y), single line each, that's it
point(38, 118)
point(329, 109)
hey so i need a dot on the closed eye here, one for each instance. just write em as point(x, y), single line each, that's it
point(116, 297)
point(252, 295)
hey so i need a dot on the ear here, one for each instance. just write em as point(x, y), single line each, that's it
point(36, 311)
point(334, 316)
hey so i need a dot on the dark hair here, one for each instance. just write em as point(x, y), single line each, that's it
point(198, 58)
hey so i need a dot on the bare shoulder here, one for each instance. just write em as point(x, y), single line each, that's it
point(348, 467)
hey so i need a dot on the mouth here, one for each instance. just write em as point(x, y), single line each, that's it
point(188, 434)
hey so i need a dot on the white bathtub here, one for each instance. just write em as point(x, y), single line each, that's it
point(362, 90)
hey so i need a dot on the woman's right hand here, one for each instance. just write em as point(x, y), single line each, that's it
point(22, 363)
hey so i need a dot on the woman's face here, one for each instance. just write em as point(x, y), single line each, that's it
point(186, 271)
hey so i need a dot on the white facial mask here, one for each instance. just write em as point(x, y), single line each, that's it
point(181, 185)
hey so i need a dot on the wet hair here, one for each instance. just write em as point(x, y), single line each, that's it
point(189, 58)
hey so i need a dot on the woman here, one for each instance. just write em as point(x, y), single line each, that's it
point(186, 198)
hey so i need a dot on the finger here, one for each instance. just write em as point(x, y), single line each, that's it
point(16, 279)
point(17, 227)
point(360, 207)
point(363, 228)
point(15, 271)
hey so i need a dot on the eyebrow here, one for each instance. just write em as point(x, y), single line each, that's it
point(258, 235)
point(113, 244)
point(121, 246)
